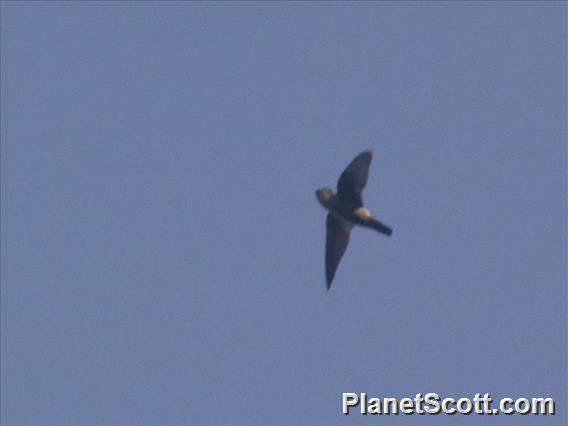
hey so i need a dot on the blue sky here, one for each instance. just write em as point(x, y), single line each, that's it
point(162, 247)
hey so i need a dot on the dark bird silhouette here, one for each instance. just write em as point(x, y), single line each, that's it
point(345, 211)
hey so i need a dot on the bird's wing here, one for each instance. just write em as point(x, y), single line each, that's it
point(354, 178)
point(335, 245)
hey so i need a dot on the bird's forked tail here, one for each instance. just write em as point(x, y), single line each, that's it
point(380, 227)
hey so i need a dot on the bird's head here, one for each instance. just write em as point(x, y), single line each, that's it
point(324, 196)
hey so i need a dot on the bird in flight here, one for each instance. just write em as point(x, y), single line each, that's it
point(345, 210)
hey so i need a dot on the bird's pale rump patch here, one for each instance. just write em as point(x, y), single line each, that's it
point(363, 213)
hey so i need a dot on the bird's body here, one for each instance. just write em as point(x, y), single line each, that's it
point(346, 210)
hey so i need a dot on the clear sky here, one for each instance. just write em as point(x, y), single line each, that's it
point(163, 249)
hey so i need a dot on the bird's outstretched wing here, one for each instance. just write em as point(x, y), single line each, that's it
point(336, 242)
point(354, 178)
